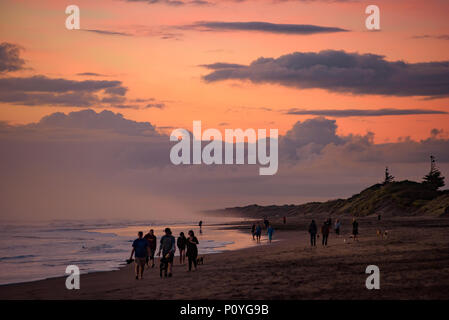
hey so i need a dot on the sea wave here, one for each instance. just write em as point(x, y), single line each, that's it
point(26, 256)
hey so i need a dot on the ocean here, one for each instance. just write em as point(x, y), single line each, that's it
point(35, 251)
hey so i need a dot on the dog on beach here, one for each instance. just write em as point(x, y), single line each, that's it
point(383, 235)
point(346, 240)
point(200, 260)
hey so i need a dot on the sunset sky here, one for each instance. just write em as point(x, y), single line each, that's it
point(171, 62)
point(157, 52)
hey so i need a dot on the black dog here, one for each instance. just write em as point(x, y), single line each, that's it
point(163, 265)
point(200, 260)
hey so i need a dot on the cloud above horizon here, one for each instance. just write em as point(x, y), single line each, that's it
point(362, 112)
point(108, 32)
point(432, 36)
point(259, 26)
point(91, 74)
point(40, 90)
point(10, 57)
point(343, 72)
point(175, 3)
point(107, 166)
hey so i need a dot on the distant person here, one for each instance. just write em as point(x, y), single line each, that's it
point(253, 230)
point(266, 223)
point(200, 224)
point(168, 248)
point(337, 227)
point(313, 229)
point(181, 243)
point(192, 250)
point(270, 231)
point(355, 228)
point(258, 232)
point(141, 252)
point(285, 219)
point(325, 228)
point(152, 243)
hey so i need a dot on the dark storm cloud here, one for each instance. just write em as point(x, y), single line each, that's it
point(262, 27)
point(10, 57)
point(362, 112)
point(340, 71)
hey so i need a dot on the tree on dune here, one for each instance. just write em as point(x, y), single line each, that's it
point(434, 178)
point(388, 177)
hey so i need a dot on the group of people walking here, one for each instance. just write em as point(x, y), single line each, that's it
point(325, 230)
point(144, 249)
point(256, 231)
point(188, 248)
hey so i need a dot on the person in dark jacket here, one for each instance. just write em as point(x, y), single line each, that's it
point(181, 243)
point(325, 229)
point(192, 249)
point(266, 223)
point(152, 243)
point(141, 251)
point(258, 232)
point(253, 230)
point(355, 228)
point(168, 248)
point(337, 227)
point(313, 231)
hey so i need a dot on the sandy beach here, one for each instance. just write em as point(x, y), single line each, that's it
point(413, 262)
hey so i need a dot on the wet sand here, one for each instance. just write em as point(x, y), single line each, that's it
point(413, 262)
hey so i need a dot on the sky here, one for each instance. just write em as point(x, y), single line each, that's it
point(85, 114)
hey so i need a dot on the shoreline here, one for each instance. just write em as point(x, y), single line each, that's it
point(413, 261)
point(94, 249)
point(225, 226)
